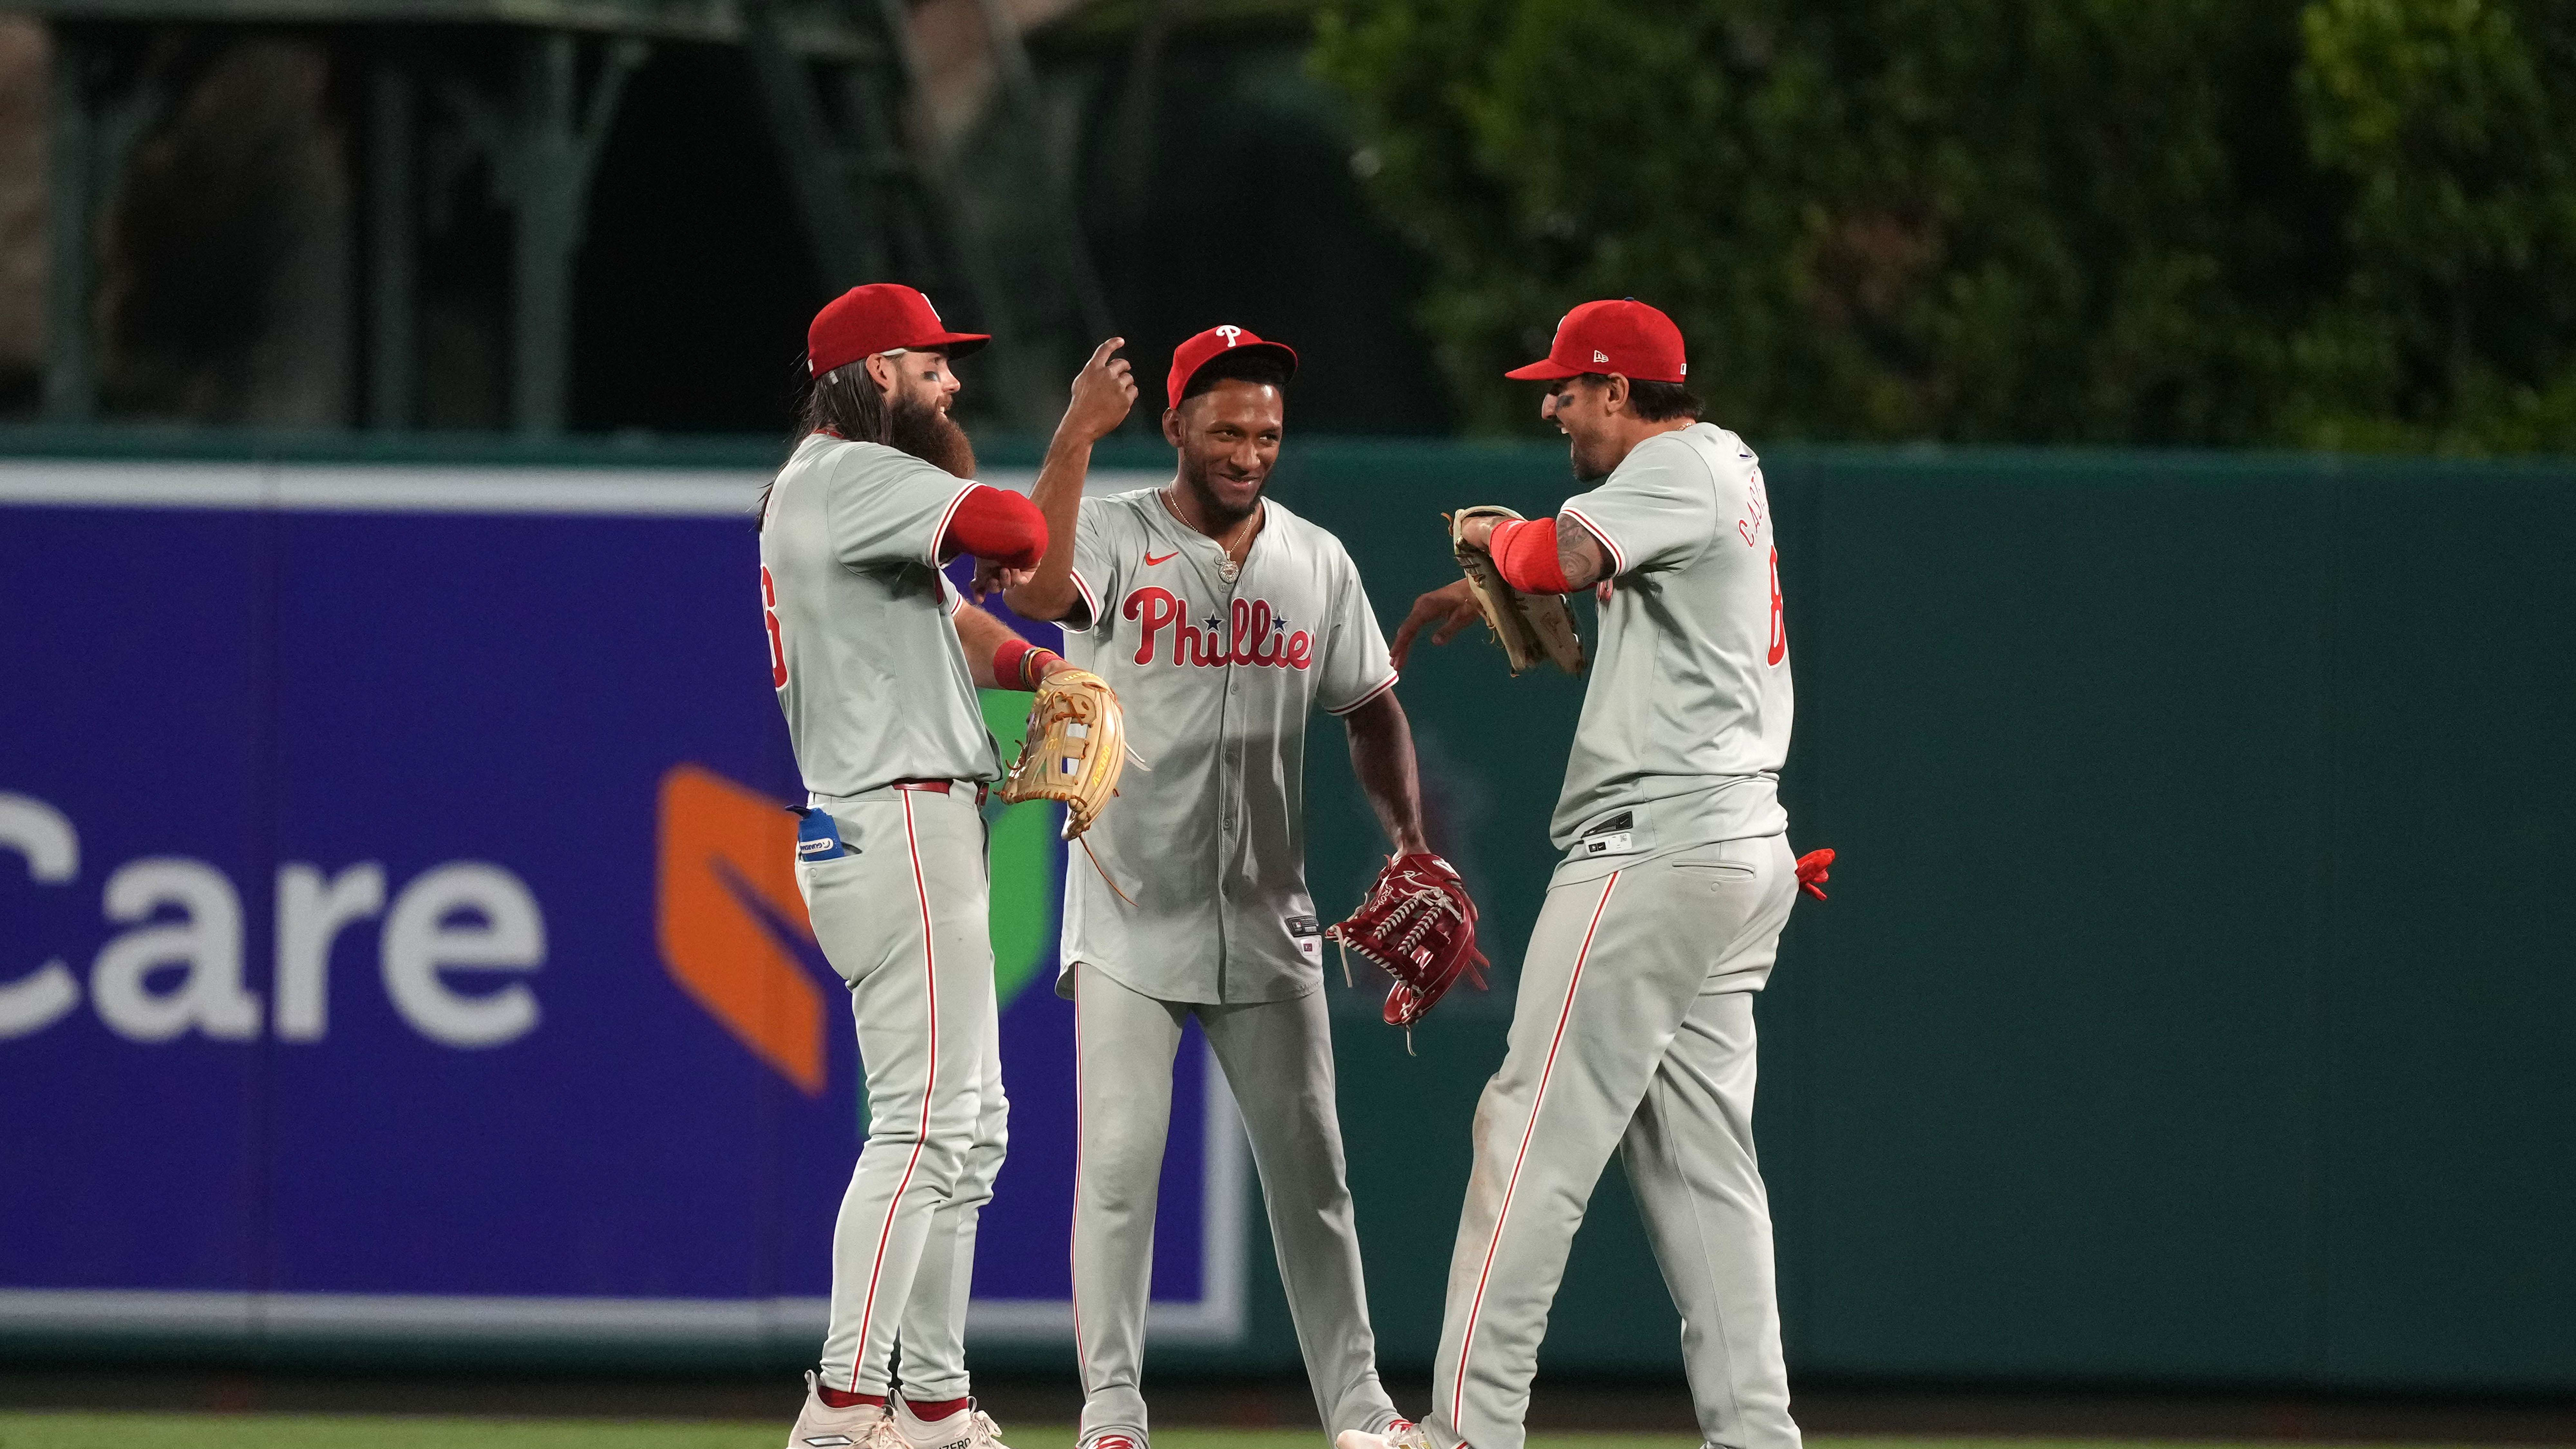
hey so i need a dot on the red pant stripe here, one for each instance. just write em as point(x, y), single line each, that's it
point(930, 986)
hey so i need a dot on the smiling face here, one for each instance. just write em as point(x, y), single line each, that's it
point(1585, 410)
point(1229, 441)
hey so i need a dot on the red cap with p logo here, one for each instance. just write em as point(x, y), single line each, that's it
point(1626, 337)
point(880, 317)
point(1215, 342)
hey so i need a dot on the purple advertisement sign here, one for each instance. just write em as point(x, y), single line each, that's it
point(391, 942)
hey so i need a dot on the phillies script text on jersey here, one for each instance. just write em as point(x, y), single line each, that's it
point(1257, 636)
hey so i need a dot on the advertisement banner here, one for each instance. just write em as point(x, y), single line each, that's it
point(397, 932)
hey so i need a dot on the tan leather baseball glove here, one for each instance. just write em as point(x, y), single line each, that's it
point(1530, 627)
point(1075, 750)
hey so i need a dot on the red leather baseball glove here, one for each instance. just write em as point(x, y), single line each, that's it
point(1419, 926)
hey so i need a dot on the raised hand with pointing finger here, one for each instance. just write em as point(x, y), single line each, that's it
point(1103, 392)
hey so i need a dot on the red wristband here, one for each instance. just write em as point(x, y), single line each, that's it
point(1007, 657)
point(1525, 553)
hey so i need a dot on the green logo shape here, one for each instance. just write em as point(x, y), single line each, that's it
point(1027, 863)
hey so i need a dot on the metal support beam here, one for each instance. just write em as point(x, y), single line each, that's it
point(545, 236)
point(1072, 258)
point(71, 382)
point(393, 333)
point(552, 151)
point(94, 133)
point(820, 168)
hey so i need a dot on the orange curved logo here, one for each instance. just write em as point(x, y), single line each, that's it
point(727, 892)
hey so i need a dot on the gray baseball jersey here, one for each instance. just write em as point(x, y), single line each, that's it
point(1686, 719)
point(1218, 677)
point(1633, 1030)
point(861, 650)
point(875, 687)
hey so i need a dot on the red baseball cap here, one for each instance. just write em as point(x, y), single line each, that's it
point(880, 317)
point(1626, 337)
point(1203, 349)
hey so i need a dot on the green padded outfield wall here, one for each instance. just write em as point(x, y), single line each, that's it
point(2197, 1001)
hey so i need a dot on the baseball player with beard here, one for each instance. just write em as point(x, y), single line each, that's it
point(1222, 620)
point(1634, 1025)
point(876, 661)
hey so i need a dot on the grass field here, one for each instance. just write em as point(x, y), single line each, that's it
point(351, 1431)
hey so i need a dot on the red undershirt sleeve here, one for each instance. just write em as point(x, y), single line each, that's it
point(1525, 553)
point(998, 525)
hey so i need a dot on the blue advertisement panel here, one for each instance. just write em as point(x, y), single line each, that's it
point(397, 934)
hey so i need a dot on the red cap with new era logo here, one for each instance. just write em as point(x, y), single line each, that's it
point(1626, 337)
point(880, 317)
point(1215, 342)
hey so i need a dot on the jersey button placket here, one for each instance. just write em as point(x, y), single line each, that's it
point(1224, 612)
point(1230, 749)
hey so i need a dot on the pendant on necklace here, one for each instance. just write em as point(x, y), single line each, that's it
point(1226, 569)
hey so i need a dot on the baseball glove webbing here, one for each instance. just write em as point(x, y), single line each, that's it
point(1418, 925)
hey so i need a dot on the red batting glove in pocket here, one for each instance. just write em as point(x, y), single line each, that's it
point(1811, 871)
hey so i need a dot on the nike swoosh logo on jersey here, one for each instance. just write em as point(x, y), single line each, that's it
point(1150, 560)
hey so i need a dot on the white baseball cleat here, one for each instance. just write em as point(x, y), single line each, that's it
point(968, 1428)
point(1401, 1434)
point(820, 1426)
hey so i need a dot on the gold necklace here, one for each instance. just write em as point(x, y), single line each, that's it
point(1226, 567)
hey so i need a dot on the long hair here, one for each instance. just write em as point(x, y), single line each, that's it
point(844, 402)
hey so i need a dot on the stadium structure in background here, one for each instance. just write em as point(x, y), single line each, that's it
point(617, 216)
point(467, 141)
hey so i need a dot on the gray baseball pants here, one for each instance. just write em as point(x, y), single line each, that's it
point(902, 918)
point(1278, 1058)
point(1633, 1030)
point(932, 1349)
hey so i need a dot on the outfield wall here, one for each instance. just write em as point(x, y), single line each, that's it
point(2195, 1004)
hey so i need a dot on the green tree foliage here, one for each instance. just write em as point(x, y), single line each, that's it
point(2348, 223)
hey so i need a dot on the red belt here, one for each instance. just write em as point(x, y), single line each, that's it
point(938, 787)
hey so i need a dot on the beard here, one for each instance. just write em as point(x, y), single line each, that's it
point(1592, 464)
point(1212, 507)
point(927, 432)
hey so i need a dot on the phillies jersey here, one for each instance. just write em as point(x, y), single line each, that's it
point(1218, 676)
point(861, 649)
point(1686, 717)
